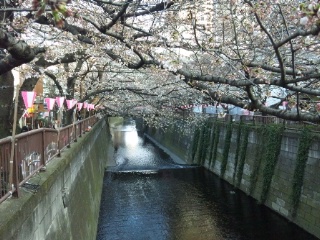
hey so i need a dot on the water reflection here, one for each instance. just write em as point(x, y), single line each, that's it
point(125, 136)
point(148, 196)
point(135, 153)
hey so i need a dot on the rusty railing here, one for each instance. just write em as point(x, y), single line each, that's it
point(32, 151)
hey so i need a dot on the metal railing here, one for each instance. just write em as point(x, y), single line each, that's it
point(32, 151)
point(259, 119)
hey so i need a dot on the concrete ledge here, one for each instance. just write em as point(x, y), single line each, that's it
point(174, 157)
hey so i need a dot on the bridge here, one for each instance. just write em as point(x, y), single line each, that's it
point(63, 199)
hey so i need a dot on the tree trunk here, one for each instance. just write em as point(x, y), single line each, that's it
point(6, 103)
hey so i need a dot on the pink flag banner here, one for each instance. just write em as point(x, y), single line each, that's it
point(69, 103)
point(85, 105)
point(28, 98)
point(79, 106)
point(50, 103)
point(74, 102)
point(60, 101)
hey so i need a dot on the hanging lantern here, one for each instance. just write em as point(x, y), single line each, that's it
point(79, 106)
point(69, 103)
point(85, 105)
point(28, 98)
point(74, 102)
point(60, 101)
point(50, 103)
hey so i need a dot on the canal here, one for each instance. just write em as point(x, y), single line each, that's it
point(146, 195)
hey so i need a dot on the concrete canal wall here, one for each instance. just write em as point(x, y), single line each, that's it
point(281, 172)
point(66, 205)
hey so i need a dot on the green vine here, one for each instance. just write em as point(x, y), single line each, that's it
point(227, 142)
point(212, 137)
point(199, 148)
point(301, 161)
point(260, 150)
point(243, 152)
point(215, 144)
point(195, 142)
point(205, 139)
point(274, 137)
point(237, 150)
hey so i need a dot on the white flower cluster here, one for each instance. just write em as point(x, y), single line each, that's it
point(304, 20)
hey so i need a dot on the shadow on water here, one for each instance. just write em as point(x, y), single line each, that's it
point(148, 196)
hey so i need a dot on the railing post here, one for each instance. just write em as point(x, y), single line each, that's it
point(58, 140)
point(15, 177)
point(80, 126)
point(75, 132)
point(84, 126)
point(68, 146)
point(42, 160)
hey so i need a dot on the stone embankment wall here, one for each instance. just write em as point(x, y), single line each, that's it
point(277, 166)
point(66, 205)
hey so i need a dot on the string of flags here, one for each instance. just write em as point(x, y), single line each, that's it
point(29, 97)
point(189, 106)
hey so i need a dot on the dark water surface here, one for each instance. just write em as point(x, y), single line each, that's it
point(148, 196)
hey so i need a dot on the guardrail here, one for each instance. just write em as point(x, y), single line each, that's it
point(258, 120)
point(32, 151)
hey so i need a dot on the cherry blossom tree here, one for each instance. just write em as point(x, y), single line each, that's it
point(156, 56)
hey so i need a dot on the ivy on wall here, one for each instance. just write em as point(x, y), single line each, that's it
point(267, 148)
point(226, 148)
point(215, 143)
point(237, 150)
point(259, 150)
point(195, 143)
point(206, 133)
point(301, 161)
point(274, 137)
point(212, 137)
point(200, 146)
point(243, 152)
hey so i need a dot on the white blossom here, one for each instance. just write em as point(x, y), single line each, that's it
point(304, 20)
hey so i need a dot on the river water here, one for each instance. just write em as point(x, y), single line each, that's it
point(146, 195)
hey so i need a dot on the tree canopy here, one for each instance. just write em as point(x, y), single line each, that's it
point(139, 56)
